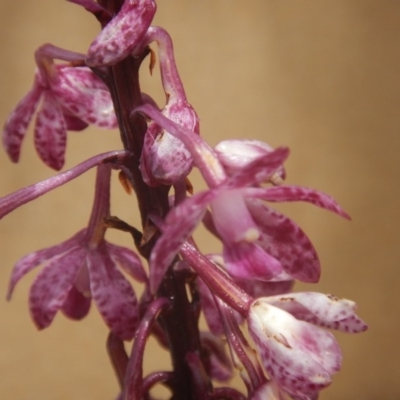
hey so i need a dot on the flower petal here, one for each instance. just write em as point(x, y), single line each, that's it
point(32, 260)
point(129, 261)
point(50, 133)
point(122, 34)
point(297, 193)
point(260, 170)
point(286, 242)
point(85, 96)
point(76, 305)
point(300, 356)
point(320, 309)
point(17, 123)
point(52, 285)
point(112, 294)
point(250, 261)
point(179, 224)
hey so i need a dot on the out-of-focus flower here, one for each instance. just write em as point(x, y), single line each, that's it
point(165, 159)
point(261, 245)
point(85, 267)
point(235, 154)
point(71, 99)
point(76, 271)
point(300, 357)
point(122, 34)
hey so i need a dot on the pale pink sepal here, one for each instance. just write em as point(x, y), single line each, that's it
point(298, 355)
point(321, 309)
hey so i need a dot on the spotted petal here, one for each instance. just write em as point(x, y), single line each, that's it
point(85, 96)
point(285, 241)
point(298, 355)
point(122, 34)
point(32, 260)
point(322, 310)
point(112, 294)
point(52, 285)
point(179, 224)
point(17, 123)
point(50, 133)
point(297, 193)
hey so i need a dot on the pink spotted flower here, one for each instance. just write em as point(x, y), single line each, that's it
point(83, 268)
point(297, 354)
point(67, 98)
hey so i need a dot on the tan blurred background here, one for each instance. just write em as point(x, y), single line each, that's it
point(322, 77)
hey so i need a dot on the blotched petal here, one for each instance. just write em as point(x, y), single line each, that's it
point(250, 261)
point(32, 260)
point(122, 34)
point(112, 294)
point(179, 224)
point(52, 285)
point(322, 310)
point(79, 91)
point(297, 193)
point(50, 133)
point(286, 242)
point(298, 355)
point(17, 123)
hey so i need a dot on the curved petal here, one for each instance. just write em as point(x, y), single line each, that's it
point(79, 91)
point(179, 224)
point(32, 260)
point(52, 285)
point(322, 310)
point(286, 242)
point(250, 261)
point(113, 294)
point(260, 170)
point(50, 133)
point(17, 123)
point(129, 262)
point(122, 34)
point(76, 305)
point(300, 356)
point(297, 193)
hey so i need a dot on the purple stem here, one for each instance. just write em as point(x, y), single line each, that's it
point(14, 200)
point(119, 358)
point(133, 387)
point(217, 280)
